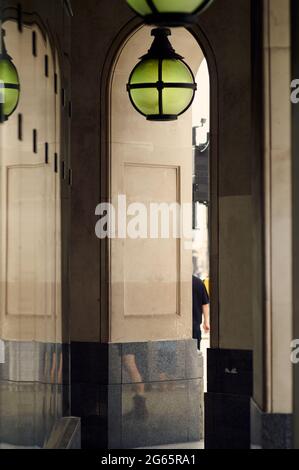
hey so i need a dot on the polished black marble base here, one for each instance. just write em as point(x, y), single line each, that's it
point(34, 391)
point(34, 361)
point(28, 412)
point(227, 421)
point(270, 431)
point(227, 403)
point(138, 394)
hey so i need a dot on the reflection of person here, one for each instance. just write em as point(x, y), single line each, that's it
point(201, 309)
point(166, 364)
point(139, 411)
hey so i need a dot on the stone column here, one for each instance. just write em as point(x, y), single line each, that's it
point(271, 417)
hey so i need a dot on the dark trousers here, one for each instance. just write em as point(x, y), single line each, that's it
point(197, 335)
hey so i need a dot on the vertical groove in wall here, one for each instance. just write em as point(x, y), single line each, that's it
point(258, 191)
point(268, 209)
point(277, 205)
point(295, 218)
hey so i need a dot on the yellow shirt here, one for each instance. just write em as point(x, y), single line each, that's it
point(207, 284)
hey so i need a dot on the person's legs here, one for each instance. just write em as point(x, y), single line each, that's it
point(139, 411)
point(197, 335)
point(129, 361)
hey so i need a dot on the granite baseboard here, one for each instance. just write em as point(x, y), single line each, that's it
point(227, 421)
point(138, 394)
point(46, 363)
point(34, 391)
point(270, 431)
point(227, 403)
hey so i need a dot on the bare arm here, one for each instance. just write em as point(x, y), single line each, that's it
point(206, 318)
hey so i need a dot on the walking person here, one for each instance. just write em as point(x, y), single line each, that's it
point(201, 309)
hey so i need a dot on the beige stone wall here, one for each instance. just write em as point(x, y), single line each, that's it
point(235, 271)
point(225, 32)
point(150, 295)
point(30, 226)
point(278, 207)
